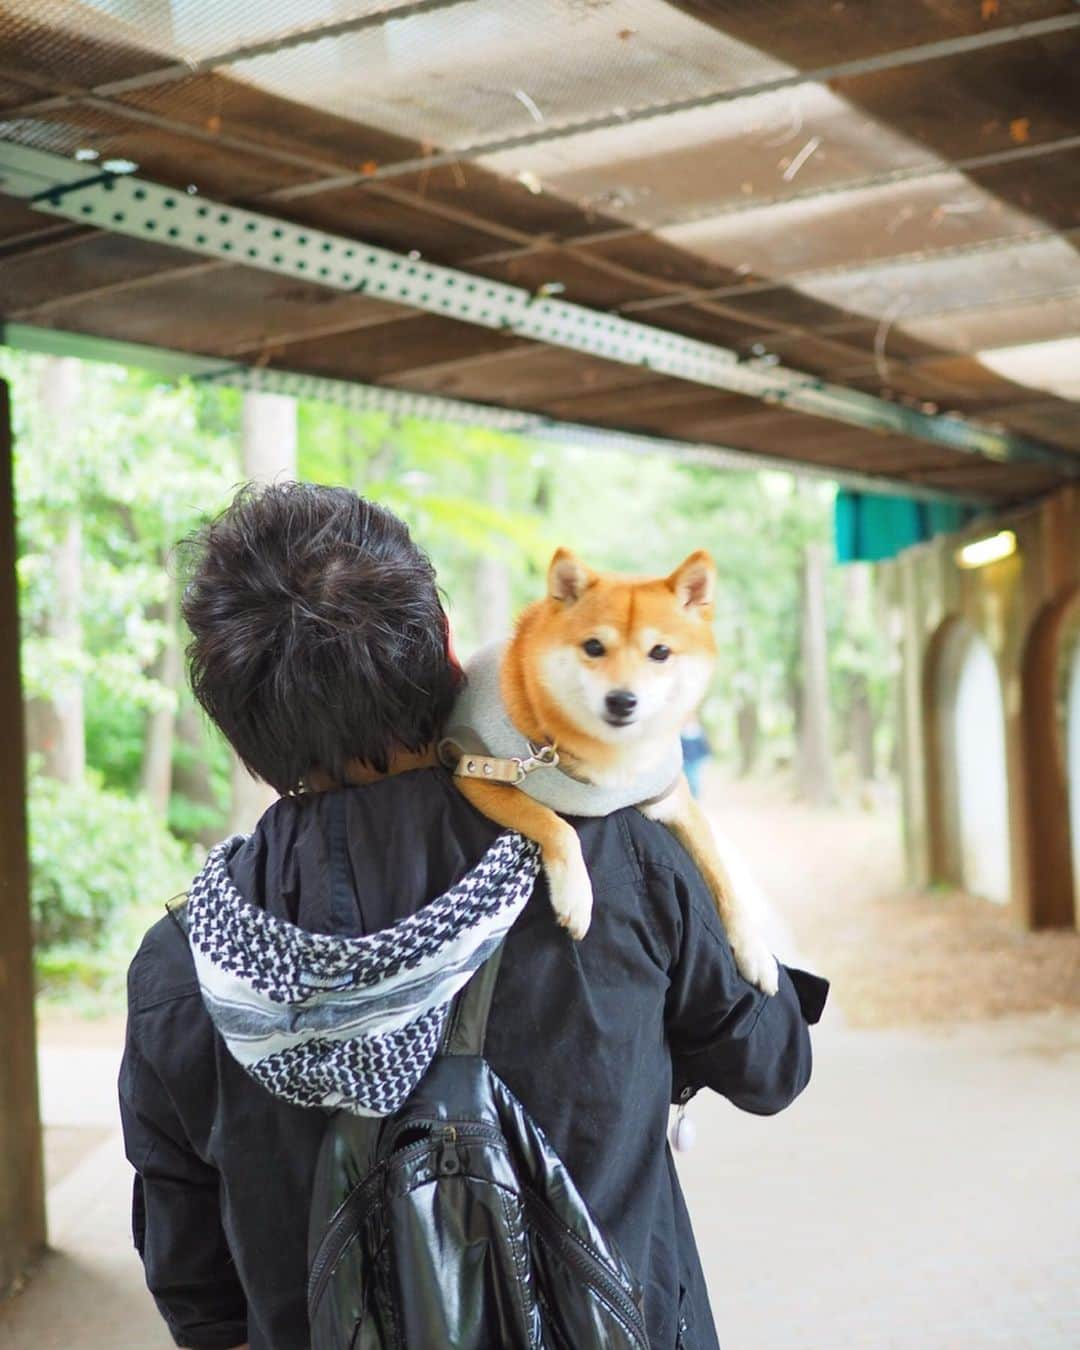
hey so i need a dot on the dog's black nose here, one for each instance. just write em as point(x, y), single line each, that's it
point(621, 703)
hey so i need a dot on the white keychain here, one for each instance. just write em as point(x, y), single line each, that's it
point(683, 1132)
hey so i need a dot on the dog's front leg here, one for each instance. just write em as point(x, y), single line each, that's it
point(560, 848)
point(689, 824)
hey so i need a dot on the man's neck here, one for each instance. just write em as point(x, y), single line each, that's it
point(357, 773)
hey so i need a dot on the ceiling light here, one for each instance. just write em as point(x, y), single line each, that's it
point(989, 550)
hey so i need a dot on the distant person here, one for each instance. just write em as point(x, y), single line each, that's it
point(320, 650)
point(696, 752)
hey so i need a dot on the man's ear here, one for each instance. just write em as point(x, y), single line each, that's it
point(568, 577)
point(694, 581)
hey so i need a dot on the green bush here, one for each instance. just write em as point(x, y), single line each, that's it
point(95, 856)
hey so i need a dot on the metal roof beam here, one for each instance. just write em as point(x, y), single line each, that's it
point(372, 398)
point(399, 403)
point(132, 206)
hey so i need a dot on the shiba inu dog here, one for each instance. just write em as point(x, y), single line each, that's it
point(580, 713)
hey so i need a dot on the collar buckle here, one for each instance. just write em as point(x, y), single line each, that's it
point(492, 769)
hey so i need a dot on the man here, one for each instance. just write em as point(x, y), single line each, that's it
point(320, 649)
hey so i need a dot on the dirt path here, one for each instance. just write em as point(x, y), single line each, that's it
point(895, 957)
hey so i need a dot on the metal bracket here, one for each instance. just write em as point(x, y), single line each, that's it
point(492, 769)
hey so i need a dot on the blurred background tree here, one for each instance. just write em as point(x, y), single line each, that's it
point(115, 467)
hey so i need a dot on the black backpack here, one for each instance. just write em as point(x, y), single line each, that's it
point(455, 1224)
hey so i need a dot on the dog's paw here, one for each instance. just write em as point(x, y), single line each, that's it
point(571, 893)
point(756, 963)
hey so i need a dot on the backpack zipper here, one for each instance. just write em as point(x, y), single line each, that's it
point(341, 1227)
point(591, 1266)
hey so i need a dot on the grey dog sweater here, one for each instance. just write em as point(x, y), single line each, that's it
point(479, 725)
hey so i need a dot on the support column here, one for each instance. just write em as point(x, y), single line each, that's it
point(22, 1191)
point(814, 755)
point(494, 606)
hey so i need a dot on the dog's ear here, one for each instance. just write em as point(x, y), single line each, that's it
point(568, 577)
point(694, 581)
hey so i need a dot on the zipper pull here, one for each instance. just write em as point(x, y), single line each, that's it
point(449, 1160)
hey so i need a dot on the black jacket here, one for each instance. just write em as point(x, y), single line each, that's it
point(596, 1038)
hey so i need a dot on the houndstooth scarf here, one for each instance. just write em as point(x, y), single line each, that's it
point(346, 1022)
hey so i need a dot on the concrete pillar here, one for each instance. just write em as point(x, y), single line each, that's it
point(22, 1193)
point(1024, 607)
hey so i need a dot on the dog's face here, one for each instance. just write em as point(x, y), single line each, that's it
point(627, 659)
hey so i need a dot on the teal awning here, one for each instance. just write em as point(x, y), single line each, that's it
point(869, 528)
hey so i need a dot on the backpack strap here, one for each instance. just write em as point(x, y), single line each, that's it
point(466, 1027)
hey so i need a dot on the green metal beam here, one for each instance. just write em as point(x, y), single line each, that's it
point(54, 342)
point(136, 207)
point(401, 403)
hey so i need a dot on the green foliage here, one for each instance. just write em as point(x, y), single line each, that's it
point(466, 493)
point(143, 463)
point(95, 854)
point(139, 471)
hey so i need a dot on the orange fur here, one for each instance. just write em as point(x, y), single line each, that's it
point(608, 600)
point(555, 693)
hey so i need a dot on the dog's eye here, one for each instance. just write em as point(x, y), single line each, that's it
point(659, 652)
point(593, 647)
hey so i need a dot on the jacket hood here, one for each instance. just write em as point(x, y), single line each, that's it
point(352, 1022)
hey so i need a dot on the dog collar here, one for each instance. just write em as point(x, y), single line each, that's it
point(491, 768)
point(480, 730)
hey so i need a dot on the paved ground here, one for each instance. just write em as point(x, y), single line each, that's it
point(923, 1195)
point(88, 1292)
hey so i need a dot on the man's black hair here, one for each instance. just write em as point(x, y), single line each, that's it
point(318, 636)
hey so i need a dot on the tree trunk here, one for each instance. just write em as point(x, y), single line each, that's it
point(269, 441)
point(747, 728)
point(269, 438)
point(492, 576)
point(861, 728)
point(860, 721)
point(814, 761)
point(191, 773)
point(161, 724)
point(56, 726)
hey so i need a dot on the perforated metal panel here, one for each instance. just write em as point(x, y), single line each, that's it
point(398, 403)
point(401, 403)
point(132, 206)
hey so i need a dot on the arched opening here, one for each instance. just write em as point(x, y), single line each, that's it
point(1072, 760)
point(1051, 771)
point(969, 801)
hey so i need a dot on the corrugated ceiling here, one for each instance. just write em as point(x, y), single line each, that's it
point(826, 185)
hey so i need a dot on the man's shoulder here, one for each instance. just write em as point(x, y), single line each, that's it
point(162, 969)
point(626, 846)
